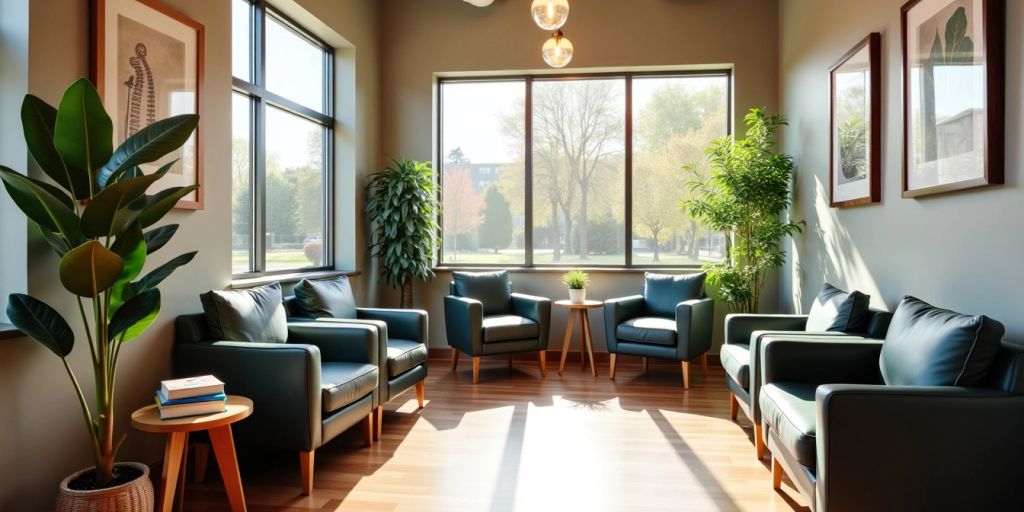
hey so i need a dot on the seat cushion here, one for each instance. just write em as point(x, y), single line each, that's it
point(836, 310)
point(663, 292)
point(930, 346)
point(326, 298)
point(736, 360)
point(648, 329)
point(788, 409)
point(493, 289)
point(344, 383)
point(509, 327)
point(404, 355)
point(253, 314)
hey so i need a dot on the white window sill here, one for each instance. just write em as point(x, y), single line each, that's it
point(294, 277)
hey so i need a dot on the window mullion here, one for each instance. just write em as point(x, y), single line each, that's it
point(528, 174)
point(260, 189)
point(628, 214)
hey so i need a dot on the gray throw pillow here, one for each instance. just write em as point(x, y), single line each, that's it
point(326, 298)
point(493, 289)
point(254, 314)
point(836, 310)
point(930, 346)
point(664, 292)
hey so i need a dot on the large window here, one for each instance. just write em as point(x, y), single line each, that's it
point(282, 130)
point(581, 171)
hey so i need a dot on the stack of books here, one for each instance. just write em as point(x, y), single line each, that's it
point(192, 396)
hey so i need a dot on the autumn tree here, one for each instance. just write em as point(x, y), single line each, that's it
point(496, 230)
point(456, 156)
point(463, 207)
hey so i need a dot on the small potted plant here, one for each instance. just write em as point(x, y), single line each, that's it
point(577, 281)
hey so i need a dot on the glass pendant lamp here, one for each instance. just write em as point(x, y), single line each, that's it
point(557, 51)
point(550, 14)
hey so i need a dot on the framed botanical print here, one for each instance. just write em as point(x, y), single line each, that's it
point(953, 88)
point(855, 157)
point(147, 63)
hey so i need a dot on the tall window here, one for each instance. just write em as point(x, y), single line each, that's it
point(282, 130)
point(577, 170)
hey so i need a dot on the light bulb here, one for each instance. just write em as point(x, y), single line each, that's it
point(557, 51)
point(550, 14)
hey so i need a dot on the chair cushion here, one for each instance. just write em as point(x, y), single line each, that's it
point(663, 292)
point(326, 298)
point(493, 289)
point(344, 383)
point(509, 327)
point(736, 360)
point(836, 310)
point(403, 355)
point(788, 409)
point(648, 329)
point(930, 346)
point(253, 314)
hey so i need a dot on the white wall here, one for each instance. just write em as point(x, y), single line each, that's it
point(960, 251)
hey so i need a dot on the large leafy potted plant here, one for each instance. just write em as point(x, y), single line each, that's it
point(99, 221)
point(744, 197)
point(402, 205)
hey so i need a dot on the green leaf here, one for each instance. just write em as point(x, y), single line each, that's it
point(130, 245)
point(959, 47)
point(157, 275)
point(37, 120)
point(83, 133)
point(55, 241)
point(135, 316)
point(38, 202)
point(90, 269)
point(148, 145)
point(109, 212)
point(158, 237)
point(41, 322)
point(157, 205)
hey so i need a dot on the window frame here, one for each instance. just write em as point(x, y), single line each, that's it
point(528, 79)
point(260, 99)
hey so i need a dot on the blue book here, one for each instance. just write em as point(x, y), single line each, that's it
point(190, 400)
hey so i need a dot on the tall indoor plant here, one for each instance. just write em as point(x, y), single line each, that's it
point(745, 197)
point(402, 205)
point(98, 220)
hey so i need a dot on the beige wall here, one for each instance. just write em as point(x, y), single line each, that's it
point(424, 37)
point(43, 438)
point(959, 251)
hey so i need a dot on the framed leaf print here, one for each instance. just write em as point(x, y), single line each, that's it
point(855, 157)
point(953, 87)
point(147, 63)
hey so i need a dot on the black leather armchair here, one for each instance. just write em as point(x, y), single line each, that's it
point(483, 317)
point(305, 392)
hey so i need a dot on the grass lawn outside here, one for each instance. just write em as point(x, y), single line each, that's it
point(516, 257)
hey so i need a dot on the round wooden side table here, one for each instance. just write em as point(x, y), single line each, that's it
point(147, 419)
point(586, 342)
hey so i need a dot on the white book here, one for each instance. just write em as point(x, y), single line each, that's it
point(192, 409)
point(191, 386)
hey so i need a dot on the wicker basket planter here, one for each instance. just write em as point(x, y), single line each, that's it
point(134, 496)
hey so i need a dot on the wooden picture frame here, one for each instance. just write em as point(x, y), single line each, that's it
point(953, 95)
point(147, 62)
point(855, 125)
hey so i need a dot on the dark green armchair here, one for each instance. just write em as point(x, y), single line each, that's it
point(671, 320)
point(483, 317)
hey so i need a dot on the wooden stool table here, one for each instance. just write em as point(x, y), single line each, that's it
point(218, 425)
point(586, 342)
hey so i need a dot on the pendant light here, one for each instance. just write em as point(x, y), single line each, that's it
point(550, 14)
point(557, 51)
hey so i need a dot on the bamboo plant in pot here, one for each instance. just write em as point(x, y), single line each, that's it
point(577, 281)
point(100, 222)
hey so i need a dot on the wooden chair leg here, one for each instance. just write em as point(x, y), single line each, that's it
point(776, 474)
point(645, 364)
point(455, 359)
point(306, 470)
point(379, 423)
point(704, 364)
point(686, 375)
point(421, 393)
point(611, 366)
point(759, 441)
point(734, 406)
point(510, 361)
point(368, 429)
point(202, 458)
point(476, 369)
point(542, 356)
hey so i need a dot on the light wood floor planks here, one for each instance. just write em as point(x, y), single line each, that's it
point(515, 442)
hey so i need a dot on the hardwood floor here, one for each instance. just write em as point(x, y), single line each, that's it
point(516, 442)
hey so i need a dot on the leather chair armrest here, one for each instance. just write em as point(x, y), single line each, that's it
point(820, 361)
point(617, 311)
point(463, 323)
point(407, 324)
point(695, 320)
point(537, 309)
point(739, 326)
point(282, 379)
point(906, 448)
point(339, 342)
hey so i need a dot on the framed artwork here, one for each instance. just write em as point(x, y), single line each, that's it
point(953, 87)
point(855, 135)
point(147, 63)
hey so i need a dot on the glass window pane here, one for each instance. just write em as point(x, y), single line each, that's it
point(295, 67)
point(674, 121)
point(294, 192)
point(579, 171)
point(241, 195)
point(241, 36)
point(483, 172)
